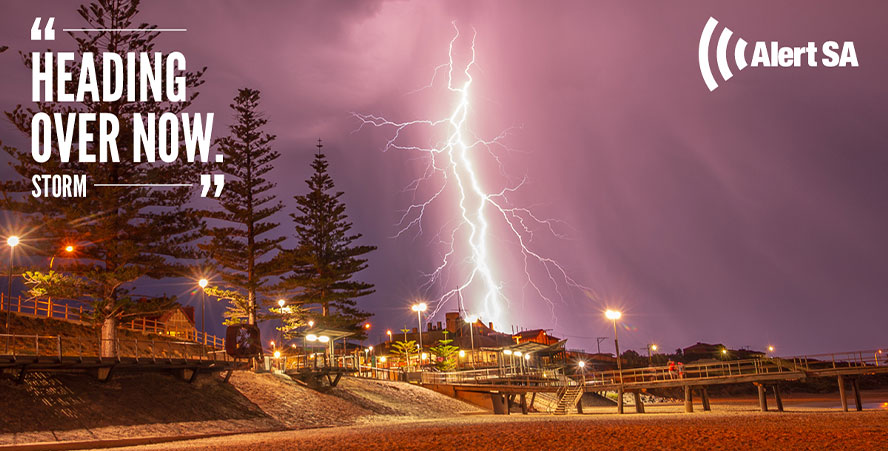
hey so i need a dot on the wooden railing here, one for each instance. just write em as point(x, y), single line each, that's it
point(13, 346)
point(65, 310)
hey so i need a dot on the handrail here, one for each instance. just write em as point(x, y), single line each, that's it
point(727, 369)
point(59, 347)
point(62, 309)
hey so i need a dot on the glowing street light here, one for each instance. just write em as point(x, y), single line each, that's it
point(277, 354)
point(419, 308)
point(651, 347)
point(12, 242)
point(614, 315)
point(582, 365)
point(389, 333)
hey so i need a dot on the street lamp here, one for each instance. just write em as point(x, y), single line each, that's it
point(614, 315)
point(651, 347)
point(12, 242)
point(281, 304)
point(389, 333)
point(69, 249)
point(419, 308)
point(203, 310)
point(582, 366)
point(771, 350)
point(472, 319)
point(326, 339)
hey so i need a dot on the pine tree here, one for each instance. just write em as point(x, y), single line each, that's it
point(121, 234)
point(445, 353)
point(326, 259)
point(239, 242)
point(403, 348)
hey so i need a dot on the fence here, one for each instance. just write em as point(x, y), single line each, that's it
point(493, 376)
point(59, 347)
point(63, 310)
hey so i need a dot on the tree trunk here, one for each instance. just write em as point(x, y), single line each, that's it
point(109, 337)
point(251, 308)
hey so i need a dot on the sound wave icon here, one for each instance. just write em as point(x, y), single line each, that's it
point(721, 53)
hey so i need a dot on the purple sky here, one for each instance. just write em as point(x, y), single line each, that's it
point(750, 215)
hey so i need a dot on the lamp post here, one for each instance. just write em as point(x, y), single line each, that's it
point(472, 320)
point(389, 333)
point(614, 315)
point(651, 347)
point(12, 242)
point(406, 348)
point(281, 304)
point(69, 249)
point(582, 366)
point(203, 309)
point(771, 350)
point(419, 308)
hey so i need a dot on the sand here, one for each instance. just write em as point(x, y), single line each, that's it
point(727, 428)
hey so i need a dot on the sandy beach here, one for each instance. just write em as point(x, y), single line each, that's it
point(662, 428)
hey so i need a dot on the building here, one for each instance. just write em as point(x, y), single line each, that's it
point(481, 344)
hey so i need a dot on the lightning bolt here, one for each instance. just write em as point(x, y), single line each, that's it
point(452, 164)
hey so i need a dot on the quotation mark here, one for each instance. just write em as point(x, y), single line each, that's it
point(37, 34)
point(206, 182)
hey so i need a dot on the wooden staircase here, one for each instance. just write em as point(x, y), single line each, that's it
point(568, 397)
